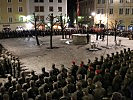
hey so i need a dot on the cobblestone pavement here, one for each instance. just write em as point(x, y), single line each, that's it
point(35, 57)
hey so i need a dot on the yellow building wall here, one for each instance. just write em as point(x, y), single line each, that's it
point(4, 14)
point(115, 16)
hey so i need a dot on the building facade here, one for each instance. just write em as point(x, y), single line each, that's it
point(114, 12)
point(86, 7)
point(19, 13)
point(11, 12)
point(43, 8)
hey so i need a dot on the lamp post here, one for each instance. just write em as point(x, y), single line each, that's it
point(51, 34)
point(115, 29)
point(62, 28)
point(35, 18)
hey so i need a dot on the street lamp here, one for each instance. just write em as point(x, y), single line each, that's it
point(61, 21)
point(35, 18)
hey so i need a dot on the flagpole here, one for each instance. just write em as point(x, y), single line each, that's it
point(77, 13)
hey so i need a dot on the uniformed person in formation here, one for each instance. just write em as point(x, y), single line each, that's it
point(17, 95)
point(33, 90)
point(13, 67)
point(99, 92)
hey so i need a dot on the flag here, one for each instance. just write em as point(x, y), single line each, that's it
point(78, 10)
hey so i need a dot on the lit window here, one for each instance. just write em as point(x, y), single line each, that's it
point(111, 11)
point(59, 9)
point(21, 19)
point(20, 9)
point(127, 11)
point(36, 8)
point(120, 11)
point(10, 19)
point(9, 0)
point(51, 9)
point(59, 1)
point(50, 0)
point(9, 9)
point(41, 8)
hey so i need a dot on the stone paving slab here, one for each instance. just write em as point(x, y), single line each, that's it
point(35, 57)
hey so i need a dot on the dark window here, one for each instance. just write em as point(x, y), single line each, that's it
point(50, 0)
point(127, 11)
point(59, 9)
point(35, 0)
point(9, 9)
point(41, 8)
point(10, 19)
point(9, 0)
point(36, 8)
point(51, 9)
point(121, 1)
point(20, 9)
point(98, 11)
point(99, 1)
point(41, 0)
point(103, 1)
point(59, 1)
point(121, 11)
point(20, 0)
point(111, 11)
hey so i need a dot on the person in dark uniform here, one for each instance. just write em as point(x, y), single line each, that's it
point(42, 95)
point(33, 76)
point(17, 95)
point(33, 90)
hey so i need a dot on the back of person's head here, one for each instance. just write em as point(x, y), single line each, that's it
point(27, 79)
point(55, 85)
point(9, 78)
point(116, 96)
point(32, 72)
point(46, 79)
point(78, 85)
point(85, 91)
point(43, 69)
point(68, 80)
point(79, 77)
point(48, 96)
point(53, 66)
point(98, 84)
point(41, 90)
point(65, 91)
point(5, 97)
point(32, 84)
point(40, 76)
point(38, 97)
point(18, 87)
point(25, 95)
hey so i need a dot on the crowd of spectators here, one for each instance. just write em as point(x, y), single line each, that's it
point(103, 79)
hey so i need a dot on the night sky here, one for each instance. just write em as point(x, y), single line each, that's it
point(71, 10)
